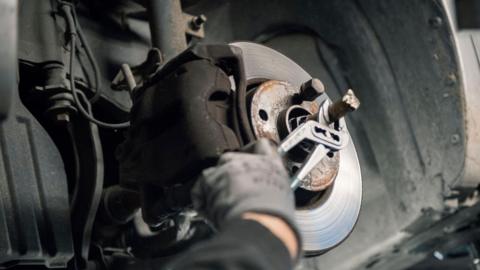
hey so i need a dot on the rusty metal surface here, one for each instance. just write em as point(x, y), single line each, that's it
point(323, 175)
point(340, 108)
point(270, 99)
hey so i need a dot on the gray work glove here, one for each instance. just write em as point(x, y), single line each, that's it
point(243, 182)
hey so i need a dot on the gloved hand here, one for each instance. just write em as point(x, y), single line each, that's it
point(244, 182)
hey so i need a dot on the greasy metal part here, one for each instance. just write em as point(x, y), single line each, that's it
point(340, 108)
point(311, 89)
point(329, 220)
point(167, 27)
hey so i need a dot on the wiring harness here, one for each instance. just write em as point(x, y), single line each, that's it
point(74, 31)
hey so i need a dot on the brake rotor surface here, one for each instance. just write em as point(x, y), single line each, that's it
point(327, 222)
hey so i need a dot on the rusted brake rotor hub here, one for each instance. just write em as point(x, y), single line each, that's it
point(274, 115)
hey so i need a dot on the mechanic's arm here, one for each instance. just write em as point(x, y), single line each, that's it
point(247, 196)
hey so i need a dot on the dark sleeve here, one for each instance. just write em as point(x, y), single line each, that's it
point(243, 244)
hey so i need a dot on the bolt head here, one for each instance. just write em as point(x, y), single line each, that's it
point(435, 22)
point(198, 21)
point(311, 89)
point(340, 108)
point(351, 100)
point(62, 118)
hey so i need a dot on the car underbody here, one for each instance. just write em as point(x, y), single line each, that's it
point(207, 77)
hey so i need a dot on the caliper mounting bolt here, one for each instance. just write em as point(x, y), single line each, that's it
point(340, 108)
point(311, 89)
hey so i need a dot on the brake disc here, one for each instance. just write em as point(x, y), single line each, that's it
point(330, 219)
